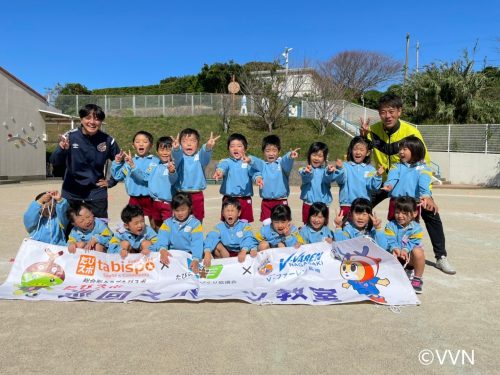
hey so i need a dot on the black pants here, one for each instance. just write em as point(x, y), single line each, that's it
point(432, 221)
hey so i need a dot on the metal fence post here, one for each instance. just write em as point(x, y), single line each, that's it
point(486, 139)
point(105, 104)
point(192, 104)
point(133, 104)
point(449, 137)
point(163, 104)
point(76, 104)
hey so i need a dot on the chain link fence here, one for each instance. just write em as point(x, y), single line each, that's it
point(477, 138)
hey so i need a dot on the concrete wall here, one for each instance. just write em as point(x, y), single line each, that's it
point(18, 108)
point(469, 168)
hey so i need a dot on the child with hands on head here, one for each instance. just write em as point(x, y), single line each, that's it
point(316, 228)
point(191, 164)
point(272, 176)
point(125, 164)
point(281, 232)
point(410, 177)
point(317, 178)
point(183, 232)
point(404, 239)
point(360, 178)
point(88, 232)
point(135, 236)
point(231, 237)
point(236, 174)
point(45, 219)
point(360, 222)
point(160, 180)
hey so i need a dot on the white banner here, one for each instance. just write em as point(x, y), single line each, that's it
point(319, 274)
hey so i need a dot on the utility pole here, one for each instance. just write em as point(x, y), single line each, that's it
point(406, 58)
point(416, 92)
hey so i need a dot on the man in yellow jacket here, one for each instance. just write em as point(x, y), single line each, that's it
point(385, 137)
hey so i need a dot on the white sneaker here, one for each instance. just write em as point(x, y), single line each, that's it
point(444, 265)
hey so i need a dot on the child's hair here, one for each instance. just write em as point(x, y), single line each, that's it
point(281, 212)
point(358, 139)
point(318, 208)
point(164, 142)
point(390, 100)
point(92, 108)
point(74, 210)
point(129, 212)
point(237, 137)
point(405, 204)
point(189, 131)
point(231, 201)
point(180, 199)
point(148, 135)
point(271, 140)
point(416, 147)
point(361, 205)
point(40, 195)
point(315, 147)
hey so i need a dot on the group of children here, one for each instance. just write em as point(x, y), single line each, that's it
point(168, 189)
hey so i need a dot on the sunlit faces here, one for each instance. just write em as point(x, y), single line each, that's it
point(360, 219)
point(280, 226)
point(164, 153)
point(182, 212)
point(271, 153)
point(189, 144)
point(405, 155)
point(317, 221)
point(142, 145)
point(236, 149)
point(136, 226)
point(230, 214)
point(404, 218)
point(360, 152)
point(84, 219)
point(91, 124)
point(389, 116)
point(317, 159)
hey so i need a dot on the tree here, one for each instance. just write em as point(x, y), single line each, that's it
point(360, 71)
point(327, 96)
point(75, 89)
point(450, 93)
point(216, 77)
point(271, 92)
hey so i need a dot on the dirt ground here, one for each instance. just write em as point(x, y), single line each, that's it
point(453, 331)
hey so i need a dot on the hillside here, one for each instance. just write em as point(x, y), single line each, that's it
point(296, 133)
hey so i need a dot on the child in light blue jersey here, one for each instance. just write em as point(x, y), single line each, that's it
point(360, 222)
point(231, 237)
point(410, 177)
point(316, 229)
point(160, 179)
point(273, 177)
point(88, 232)
point(182, 232)
point(317, 178)
point(45, 219)
point(191, 163)
point(359, 178)
point(404, 239)
point(135, 236)
point(281, 232)
point(124, 164)
point(236, 174)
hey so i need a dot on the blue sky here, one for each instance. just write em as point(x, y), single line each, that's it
point(127, 43)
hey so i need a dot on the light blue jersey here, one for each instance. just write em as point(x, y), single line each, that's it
point(403, 238)
point(135, 241)
point(237, 180)
point(275, 176)
point(47, 229)
point(191, 169)
point(311, 235)
point(357, 181)
point(349, 231)
point(159, 180)
point(135, 186)
point(267, 233)
point(100, 232)
point(413, 180)
point(239, 237)
point(186, 236)
point(316, 185)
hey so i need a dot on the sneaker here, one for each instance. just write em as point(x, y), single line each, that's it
point(444, 265)
point(417, 283)
point(409, 273)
